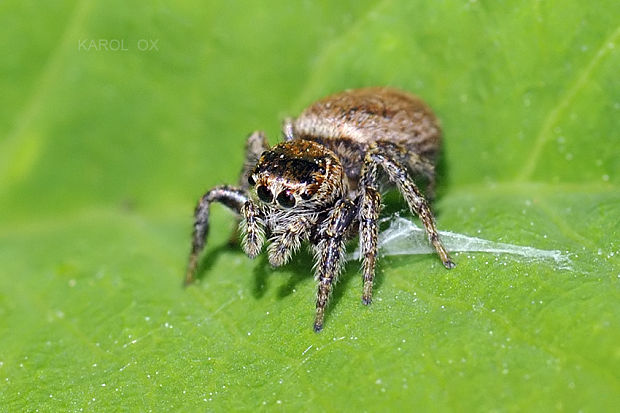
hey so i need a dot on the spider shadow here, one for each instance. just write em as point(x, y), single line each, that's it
point(205, 264)
point(299, 270)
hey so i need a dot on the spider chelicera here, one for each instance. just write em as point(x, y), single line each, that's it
point(323, 183)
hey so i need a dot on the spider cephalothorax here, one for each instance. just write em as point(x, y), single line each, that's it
point(322, 183)
point(300, 173)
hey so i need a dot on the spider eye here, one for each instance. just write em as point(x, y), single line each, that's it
point(251, 181)
point(306, 196)
point(286, 199)
point(264, 194)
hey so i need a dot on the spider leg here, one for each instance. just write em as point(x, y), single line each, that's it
point(255, 145)
point(252, 228)
point(287, 129)
point(424, 167)
point(418, 164)
point(330, 252)
point(232, 197)
point(369, 208)
point(285, 243)
point(397, 173)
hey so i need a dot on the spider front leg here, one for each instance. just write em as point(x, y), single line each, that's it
point(284, 244)
point(252, 228)
point(255, 145)
point(369, 208)
point(330, 252)
point(397, 173)
point(233, 198)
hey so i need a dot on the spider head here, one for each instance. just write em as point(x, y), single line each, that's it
point(298, 174)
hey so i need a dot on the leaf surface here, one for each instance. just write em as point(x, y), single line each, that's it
point(104, 152)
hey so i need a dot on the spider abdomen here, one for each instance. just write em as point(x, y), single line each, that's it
point(362, 116)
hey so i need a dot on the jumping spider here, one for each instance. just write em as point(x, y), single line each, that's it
point(322, 183)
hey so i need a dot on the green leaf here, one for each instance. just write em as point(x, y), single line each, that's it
point(104, 151)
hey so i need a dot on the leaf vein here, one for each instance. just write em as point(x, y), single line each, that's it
point(16, 138)
point(552, 117)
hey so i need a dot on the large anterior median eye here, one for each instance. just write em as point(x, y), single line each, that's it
point(264, 194)
point(286, 199)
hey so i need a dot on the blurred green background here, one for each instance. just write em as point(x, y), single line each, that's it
point(115, 117)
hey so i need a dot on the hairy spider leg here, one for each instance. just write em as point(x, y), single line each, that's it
point(330, 252)
point(426, 168)
point(255, 145)
point(230, 196)
point(369, 209)
point(418, 165)
point(252, 228)
point(397, 173)
point(287, 129)
point(284, 244)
